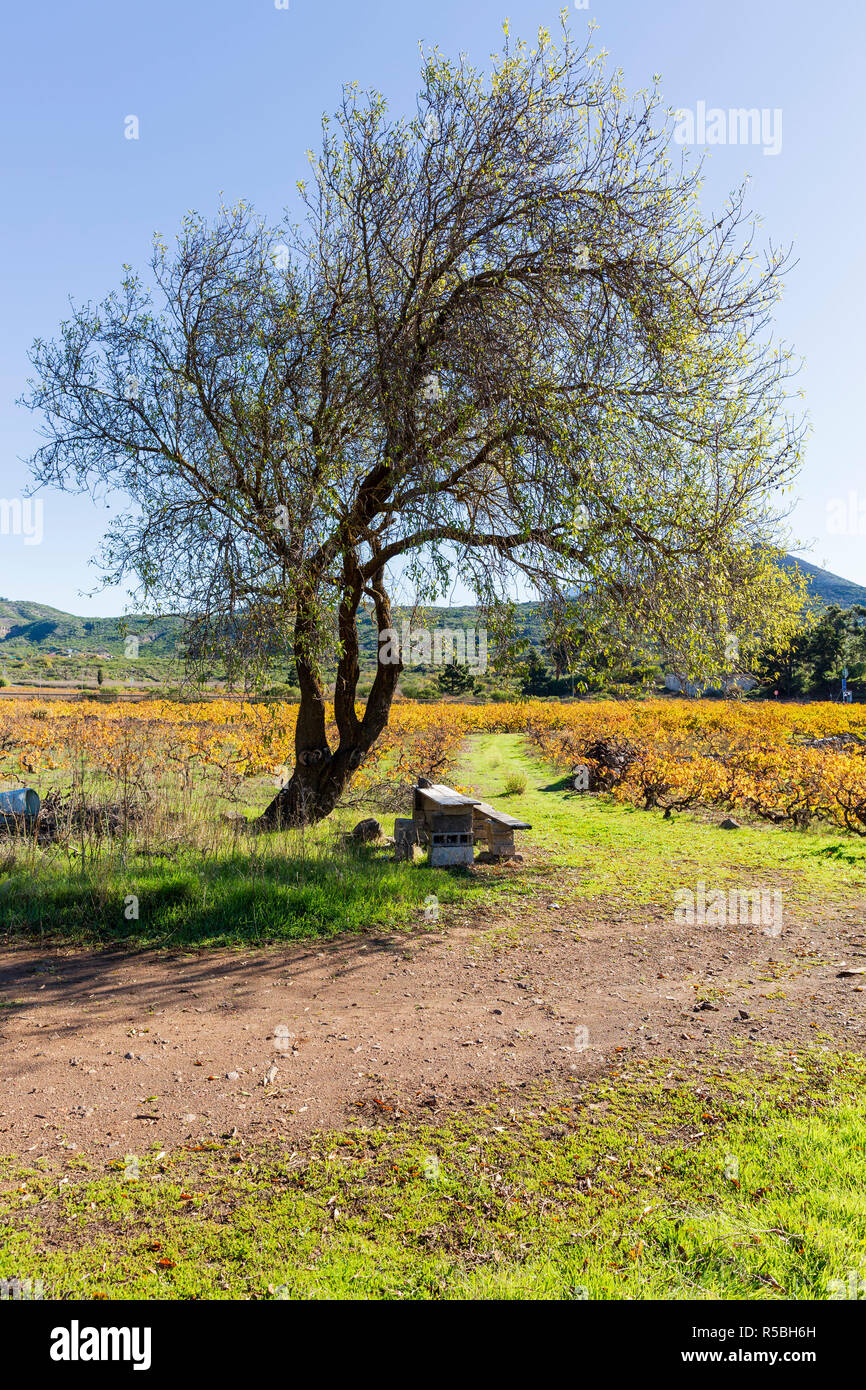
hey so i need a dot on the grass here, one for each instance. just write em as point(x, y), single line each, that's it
point(516, 783)
point(638, 856)
point(654, 1185)
point(276, 893)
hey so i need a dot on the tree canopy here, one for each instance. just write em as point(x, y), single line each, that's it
point(811, 665)
point(503, 340)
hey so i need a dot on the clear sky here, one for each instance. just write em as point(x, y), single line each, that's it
point(228, 94)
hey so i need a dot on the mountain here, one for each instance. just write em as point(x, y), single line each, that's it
point(28, 629)
point(827, 588)
point(31, 628)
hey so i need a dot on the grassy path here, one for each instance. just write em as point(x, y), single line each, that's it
point(640, 856)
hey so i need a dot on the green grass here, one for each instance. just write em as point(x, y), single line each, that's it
point(275, 894)
point(655, 1185)
point(642, 858)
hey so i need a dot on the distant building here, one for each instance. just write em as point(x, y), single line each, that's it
point(677, 686)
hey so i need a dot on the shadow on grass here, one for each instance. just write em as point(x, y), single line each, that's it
point(563, 784)
point(231, 900)
point(846, 853)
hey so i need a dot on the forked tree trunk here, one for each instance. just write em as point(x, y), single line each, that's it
point(321, 776)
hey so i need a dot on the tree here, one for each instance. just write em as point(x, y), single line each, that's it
point(835, 641)
point(535, 679)
point(503, 338)
point(455, 679)
point(834, 638)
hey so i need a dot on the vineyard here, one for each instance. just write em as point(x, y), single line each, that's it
point(788, 764)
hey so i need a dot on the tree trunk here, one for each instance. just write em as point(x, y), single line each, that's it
point(321, 776)
point(313, 789)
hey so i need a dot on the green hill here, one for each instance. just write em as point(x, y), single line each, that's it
point(827, 588)
point(32, 629)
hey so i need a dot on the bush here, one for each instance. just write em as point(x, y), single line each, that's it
point(515, 784)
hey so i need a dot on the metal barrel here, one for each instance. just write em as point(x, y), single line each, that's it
point(23, 801)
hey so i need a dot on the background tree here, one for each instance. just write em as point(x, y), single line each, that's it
point(812, 665)
point(536, 678)
point(455, 679)
point(834, 641)
point(505, 338)
point(600, 648)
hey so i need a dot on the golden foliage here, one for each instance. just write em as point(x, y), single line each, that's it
point(756, 758)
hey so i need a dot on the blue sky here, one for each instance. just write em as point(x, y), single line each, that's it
point(229, 93)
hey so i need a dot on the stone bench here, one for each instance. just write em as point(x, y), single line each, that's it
point(450, 824)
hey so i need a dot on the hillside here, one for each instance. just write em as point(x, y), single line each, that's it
point(827, 587)
point(30, 629)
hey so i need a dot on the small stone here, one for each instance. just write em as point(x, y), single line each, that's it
point(367, 830)
point(232, 1076)
point(730, 824)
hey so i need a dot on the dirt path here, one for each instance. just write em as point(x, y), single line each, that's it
point(111, 1054)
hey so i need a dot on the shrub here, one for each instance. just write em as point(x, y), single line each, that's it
point(515, 783)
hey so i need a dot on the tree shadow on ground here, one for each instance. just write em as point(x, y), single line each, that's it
point(239, 900)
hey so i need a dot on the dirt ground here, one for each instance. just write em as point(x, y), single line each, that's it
point(110, 1054)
